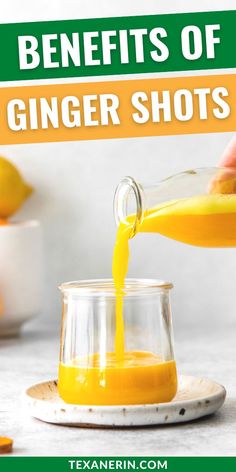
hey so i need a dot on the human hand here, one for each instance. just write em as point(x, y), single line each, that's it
point(228, 158)
point(225, 180)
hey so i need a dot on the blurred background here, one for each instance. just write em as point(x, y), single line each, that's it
point(75, 183)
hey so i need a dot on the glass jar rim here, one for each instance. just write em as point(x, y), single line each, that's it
point(105, 287)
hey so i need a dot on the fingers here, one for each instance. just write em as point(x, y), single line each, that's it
point(228, 158)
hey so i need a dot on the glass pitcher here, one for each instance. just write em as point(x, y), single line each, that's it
point(89, 373)
point(196, 207)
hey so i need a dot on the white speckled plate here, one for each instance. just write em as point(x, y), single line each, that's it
point(196, 397)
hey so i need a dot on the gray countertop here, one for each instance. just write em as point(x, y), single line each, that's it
point(33, 358)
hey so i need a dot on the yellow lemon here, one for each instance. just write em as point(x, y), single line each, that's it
point(13, 189)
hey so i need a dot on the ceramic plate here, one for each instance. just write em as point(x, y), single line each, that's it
point(196, 397)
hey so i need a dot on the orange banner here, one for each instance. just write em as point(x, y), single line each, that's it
point(118, 109)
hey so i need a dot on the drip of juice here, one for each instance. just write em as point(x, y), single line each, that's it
point(141, 378)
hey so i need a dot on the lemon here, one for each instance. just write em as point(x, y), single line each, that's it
point(13, 189)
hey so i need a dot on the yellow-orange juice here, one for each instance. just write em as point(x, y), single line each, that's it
point(205, 220)
point(142, 377)
point(136, 376)
point(133, 377)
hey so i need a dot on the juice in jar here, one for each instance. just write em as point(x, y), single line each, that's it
point(141, 377)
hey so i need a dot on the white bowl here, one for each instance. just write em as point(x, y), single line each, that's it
point(21, 274)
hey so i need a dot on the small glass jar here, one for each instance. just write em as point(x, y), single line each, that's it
point(90, 372)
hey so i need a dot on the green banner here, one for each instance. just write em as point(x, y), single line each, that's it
point(124, 45)
point(64, 464)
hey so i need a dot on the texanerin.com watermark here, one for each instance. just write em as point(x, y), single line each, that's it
point(118, 464)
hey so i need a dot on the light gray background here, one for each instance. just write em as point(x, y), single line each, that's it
point(74, 186)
